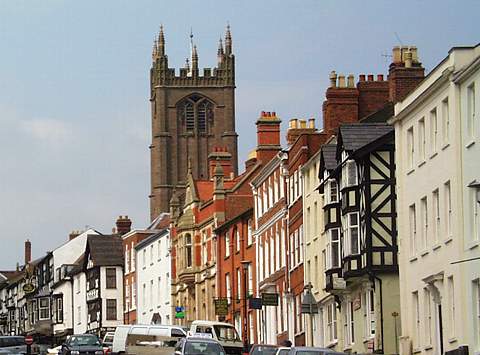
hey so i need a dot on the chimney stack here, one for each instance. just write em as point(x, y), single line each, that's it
point(405, 72)
point(296, 127)
point(223, 157)
point(28, 252)
point(73, 235)
point(268, 136)
point(124, 225)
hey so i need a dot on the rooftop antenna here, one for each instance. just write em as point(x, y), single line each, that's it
point(398, 38)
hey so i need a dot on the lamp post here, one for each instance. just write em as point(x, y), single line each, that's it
point(245, 265)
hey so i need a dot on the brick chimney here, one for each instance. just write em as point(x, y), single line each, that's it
point(341, 104)
point(124, 225)
point(224, 158)
point(405, 72)
point(296, 127)
point(73, 235)
point(268, 136)
point(373, 94)
point(28, 252)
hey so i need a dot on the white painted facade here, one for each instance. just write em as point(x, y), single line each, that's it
point(113, 294)
point(67, 254)
point(324, 331)
point(153, 265)
point(436, 158)
point(79, 303)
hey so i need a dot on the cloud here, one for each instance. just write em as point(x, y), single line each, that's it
point(47, 130)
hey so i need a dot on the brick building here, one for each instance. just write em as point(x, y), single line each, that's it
point(192, 112)
point(236, 247)
point(304, 143)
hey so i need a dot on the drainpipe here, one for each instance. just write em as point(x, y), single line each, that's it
point(374, 277)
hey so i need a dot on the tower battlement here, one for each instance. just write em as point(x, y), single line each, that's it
point(191, 75)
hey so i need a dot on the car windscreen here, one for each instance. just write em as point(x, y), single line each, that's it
point(202, 348)
point(310, 352)
point(262, 349)
point(83, 341)
point(108, 339)
point(226, 333)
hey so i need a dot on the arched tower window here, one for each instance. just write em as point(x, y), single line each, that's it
point(196, 113)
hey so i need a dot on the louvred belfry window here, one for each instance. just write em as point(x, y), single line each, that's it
point(196, 113)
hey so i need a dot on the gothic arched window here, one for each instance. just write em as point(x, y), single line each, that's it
point(196, 112)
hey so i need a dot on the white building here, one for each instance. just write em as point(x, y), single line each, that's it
point(437, 137)
point(153, 266)
point(64, 259)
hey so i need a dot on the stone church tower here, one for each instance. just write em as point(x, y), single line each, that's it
point(192, 113)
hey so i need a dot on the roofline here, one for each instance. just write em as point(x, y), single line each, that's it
point(152, 238)
point(233, 219)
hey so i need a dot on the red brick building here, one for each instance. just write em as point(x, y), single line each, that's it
point(236, 247)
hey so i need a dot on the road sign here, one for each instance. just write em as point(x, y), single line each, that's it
point(179, 312)
point(270, 299)
point(29, 340)
point(254, 303)
point(221, 306)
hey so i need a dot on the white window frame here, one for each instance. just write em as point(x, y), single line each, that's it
point(445, 121)
point(333, 246)
point(436, 215)
point(412, 214)
point(434, 130)
point(448, 209)
point(422, 143)
point(424, 222)
point(348, 228)
point(410, 148)
point(427, 310)
point(471, 126)
point(228, 287)
point(368, 306)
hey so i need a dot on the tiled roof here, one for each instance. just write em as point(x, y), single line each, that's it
point(105, 250)
point(353, 136)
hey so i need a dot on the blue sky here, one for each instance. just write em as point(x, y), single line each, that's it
point(74, 111)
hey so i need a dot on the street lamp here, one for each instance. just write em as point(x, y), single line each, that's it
point(245, 265)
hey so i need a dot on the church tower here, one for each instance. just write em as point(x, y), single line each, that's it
point(192, 112)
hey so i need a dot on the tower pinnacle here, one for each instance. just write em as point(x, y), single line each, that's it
point(161, 42)
point(228, 41)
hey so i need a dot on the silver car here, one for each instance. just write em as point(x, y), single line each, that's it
point(12, 345)
point(306, 350)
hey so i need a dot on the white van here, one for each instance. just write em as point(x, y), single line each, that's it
point(144, 339)
point(224, 333)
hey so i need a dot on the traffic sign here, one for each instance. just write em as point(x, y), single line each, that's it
point(179, 312)
point(29, 340)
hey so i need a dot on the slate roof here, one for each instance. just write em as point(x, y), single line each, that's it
point(329, 153)
point(353, 136)
point(151, 239)
point(105, 250)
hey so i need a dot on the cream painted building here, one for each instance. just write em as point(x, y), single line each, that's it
point(323, 324)
point(437, 138)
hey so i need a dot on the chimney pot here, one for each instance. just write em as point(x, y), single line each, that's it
point(341, 81)
point(396, 55)
point(408, 59)
point(333, 79)
point(28, 252)
point(362, 77)
point(380, 77)
point(351, 81)
point(311, 123)
point(370, 77)
point(123, 225)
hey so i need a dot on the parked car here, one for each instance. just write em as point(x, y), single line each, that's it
point(282, 350)
point(263, 349)
point(137, 337)
point(306, 350)
point(224, 333)
point(12, 345)
point(82, 344)
point(193, 345)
